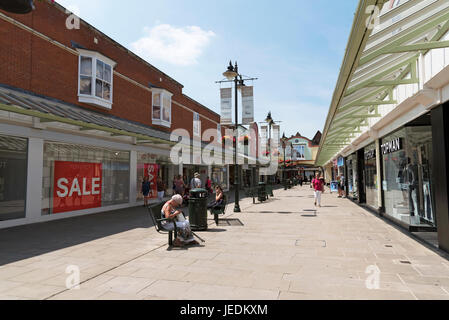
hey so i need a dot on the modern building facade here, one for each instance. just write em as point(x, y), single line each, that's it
point(387, 120)
point(83, 120)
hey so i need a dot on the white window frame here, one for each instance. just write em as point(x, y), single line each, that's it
point(196, 120)
point(163, 94)
point(92, 98)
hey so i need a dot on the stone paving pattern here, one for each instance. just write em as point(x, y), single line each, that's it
point(284, 250)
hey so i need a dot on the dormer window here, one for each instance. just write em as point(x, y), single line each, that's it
point(161, 107)
point(95, 79)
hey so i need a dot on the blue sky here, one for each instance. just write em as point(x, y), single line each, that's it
point(294, 47)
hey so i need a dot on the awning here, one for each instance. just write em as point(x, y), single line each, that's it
point(49, 111)
point(376, 62)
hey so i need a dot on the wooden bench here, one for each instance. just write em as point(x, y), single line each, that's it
point(156, 217)
point(219, 210)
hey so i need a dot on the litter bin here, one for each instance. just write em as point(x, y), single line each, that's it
point(198, 209)
point(269, 190)
point(262, 192)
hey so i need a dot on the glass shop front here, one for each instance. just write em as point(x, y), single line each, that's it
point(13, 177)
point(407, 170)
point(371, 187)
point(78, 177)
point(351, 164)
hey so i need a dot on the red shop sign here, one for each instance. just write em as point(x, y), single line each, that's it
point(77, 186)
point(151, 171)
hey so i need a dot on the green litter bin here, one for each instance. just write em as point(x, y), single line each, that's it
point(198, 209)
point(262, 192)
point(269, 190)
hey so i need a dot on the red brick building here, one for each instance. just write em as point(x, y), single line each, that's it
point(74, 96)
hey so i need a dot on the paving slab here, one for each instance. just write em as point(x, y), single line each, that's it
point(282, 249)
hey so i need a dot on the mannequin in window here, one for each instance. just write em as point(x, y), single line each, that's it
point(401, 180)
point(412, 179)
point(428, 212)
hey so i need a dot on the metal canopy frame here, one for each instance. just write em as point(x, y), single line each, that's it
point(376, 62)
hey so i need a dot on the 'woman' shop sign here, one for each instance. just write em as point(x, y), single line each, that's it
point(77, 186)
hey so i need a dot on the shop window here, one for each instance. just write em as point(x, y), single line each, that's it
point(351, 164)
point(95, 79)
point(407, 186)
point(102, 177)
point(13, 177)
point(371, 187)
point(161, 108)
point(299, 152)
point(154, 166)
point(220, 177)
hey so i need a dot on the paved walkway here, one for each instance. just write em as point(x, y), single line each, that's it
point(282, 249)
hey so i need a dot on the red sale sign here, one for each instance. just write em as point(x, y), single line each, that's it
point(151, 172)
point(77, 186)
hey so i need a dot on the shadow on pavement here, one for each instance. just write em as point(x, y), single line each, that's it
point(210, 230)
point(230, 223)
point(185, 248)
point(28, 241)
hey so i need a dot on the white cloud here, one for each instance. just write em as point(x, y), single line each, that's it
point(178, 46)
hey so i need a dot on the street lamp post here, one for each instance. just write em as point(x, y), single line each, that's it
point(232, 74)
point(286, 144)
point(270, 122)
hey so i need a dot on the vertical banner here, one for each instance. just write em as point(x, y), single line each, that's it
point(276, 135)
point(247, 105)
point(276, 140)
point(151, 172)
point(263, 140)
point(254, 140)
point(77, 186)
point(226, 105)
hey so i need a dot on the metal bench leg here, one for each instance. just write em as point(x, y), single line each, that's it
point(170, 238)
point(216, 218)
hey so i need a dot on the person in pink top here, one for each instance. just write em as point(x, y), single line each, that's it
point(318, 186)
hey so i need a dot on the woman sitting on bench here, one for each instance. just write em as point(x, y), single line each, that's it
point(169, 211)
point(218, 199)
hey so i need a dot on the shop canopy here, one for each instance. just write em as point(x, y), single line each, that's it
point(377, 60)
point(23, 106)
point(69, 117)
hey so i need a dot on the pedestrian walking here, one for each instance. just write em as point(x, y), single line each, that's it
point(195, 183)
point(146, 186)
point(209, 186)
point(160, 189)
point(179, 186)
point(318, 186)
point(341, 187)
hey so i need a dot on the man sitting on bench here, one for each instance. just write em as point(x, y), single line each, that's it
point(169, 211)
point(218, 199)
